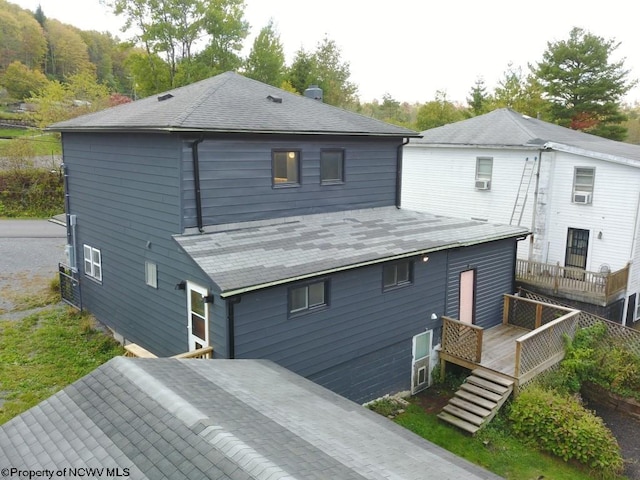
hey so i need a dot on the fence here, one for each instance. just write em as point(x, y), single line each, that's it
point(70, 286)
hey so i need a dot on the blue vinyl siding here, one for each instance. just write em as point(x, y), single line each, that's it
point(495, 266)
point(125, 193)
point(236, 179)
point(361, 328)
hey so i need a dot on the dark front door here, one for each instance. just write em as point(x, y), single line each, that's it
point(577, 246)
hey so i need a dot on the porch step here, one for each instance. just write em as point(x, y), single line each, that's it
point(458, 422)
point(477, 401)
point(487, 385)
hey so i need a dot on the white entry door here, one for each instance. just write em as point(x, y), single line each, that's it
point(198, 317)
point(421, 353)
point(467, 296)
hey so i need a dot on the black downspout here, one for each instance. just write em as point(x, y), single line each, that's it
point(399, 172)
point(231, 347)
point(196, 181)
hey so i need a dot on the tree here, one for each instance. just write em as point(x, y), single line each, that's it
point(438, 112)
point(584, 86)
point(520, 93)
point(265, 62)
point(479, 98)
point(9, 38)
point(21, 82)
point(67, 51)
point(324, 68)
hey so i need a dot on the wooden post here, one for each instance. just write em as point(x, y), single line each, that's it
point(538, 321)
point(479, 346)
point(555, 278)
point(505, 310)
point(516, 370)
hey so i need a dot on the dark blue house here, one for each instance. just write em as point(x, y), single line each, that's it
point(265, 224)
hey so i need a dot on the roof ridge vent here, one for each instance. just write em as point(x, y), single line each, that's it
point(164, 97)
point(274, 99)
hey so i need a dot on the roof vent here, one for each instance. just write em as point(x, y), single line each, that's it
point(164, 97)
point(274, 99)
point(314, 92)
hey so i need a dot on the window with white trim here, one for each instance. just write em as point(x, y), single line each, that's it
point(397, 274)
point(484, 170)
point(308, 297)
point(583, 181)
point(151, 274)
point(92, 262)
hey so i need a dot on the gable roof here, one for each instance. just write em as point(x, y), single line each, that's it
point(253, 255)
point(506, 128)
point(216, 419)
point(230, 102)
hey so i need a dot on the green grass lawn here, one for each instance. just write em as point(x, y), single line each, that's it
point(493, 448)
point(45, 352)
point(43, 144)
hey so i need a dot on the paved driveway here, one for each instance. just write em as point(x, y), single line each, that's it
point(30, 251)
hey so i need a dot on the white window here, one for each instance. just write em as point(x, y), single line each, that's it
point(583, 180)
point(311, 296)
point(92, 262)
point(484, 169)
point(151, 274)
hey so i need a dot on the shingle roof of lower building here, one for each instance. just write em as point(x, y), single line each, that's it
point(251, 255)
point(227, 103)
point(507, 128)
point(218, 419)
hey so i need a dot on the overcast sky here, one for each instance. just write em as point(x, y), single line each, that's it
point(413, 48)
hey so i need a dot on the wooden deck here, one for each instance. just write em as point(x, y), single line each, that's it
point(499, 348)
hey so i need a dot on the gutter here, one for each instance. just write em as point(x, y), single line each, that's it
point(196, 182)
point(417, 253)
point(399, 171)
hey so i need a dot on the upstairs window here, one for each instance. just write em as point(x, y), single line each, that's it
point(286, 168)
point(308, 297)
point(92, 263)
point(151, 274)
point(397, 274)
point(484, 169)
point(583, 180)
point(331, 166)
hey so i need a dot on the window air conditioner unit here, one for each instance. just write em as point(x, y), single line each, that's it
point(582, 197)
point(483, 184)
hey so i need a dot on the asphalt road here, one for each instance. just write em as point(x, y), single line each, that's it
point(30, 246)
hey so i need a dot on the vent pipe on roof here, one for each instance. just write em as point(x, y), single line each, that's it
point(314, 92)
point(164, 97)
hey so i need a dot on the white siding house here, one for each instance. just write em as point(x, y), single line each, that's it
point(579, 194)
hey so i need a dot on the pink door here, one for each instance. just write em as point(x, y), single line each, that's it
point(467, 296)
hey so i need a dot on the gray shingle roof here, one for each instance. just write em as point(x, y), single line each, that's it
point(250, 255)
point(230, 102)
point(216, 419)
point(507, 128)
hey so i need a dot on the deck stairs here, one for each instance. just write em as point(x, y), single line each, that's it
point(477, 401)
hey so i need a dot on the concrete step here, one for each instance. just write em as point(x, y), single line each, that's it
point(492, 377)
point(470, 407)
point(458, 422)
point(487, 385)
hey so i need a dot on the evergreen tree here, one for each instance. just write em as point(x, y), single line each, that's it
point(584, 86)
point(479, 99)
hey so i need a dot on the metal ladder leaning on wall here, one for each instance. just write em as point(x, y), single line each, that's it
point(528, 171)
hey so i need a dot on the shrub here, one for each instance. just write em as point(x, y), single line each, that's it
point(562, 426)
point(31, 193)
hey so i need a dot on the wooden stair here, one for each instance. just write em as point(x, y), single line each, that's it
point(477, 401)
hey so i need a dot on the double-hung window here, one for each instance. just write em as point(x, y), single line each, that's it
point(92, 263)
point(583, 181)
point(484, 170)
point(331, 166)
point(397, 274)
point(286, 168)
point(308, 297)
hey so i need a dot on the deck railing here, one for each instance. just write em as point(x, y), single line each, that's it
point(530, 314)
point(598, 286)
point(462, 340)
point(543, 347)
point(134, 350)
